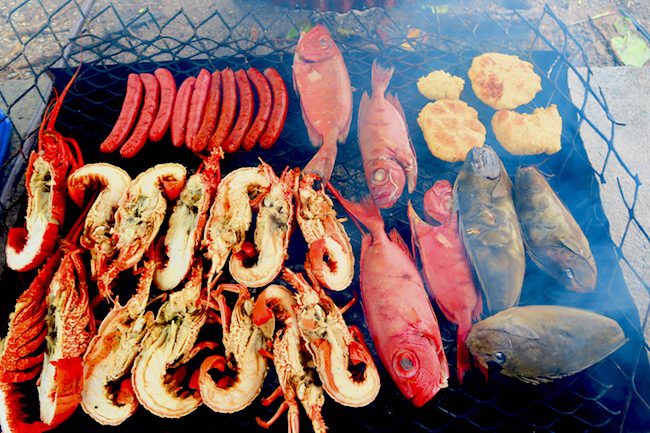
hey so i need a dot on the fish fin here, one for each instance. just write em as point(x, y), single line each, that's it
point(478, 308)
point(414, 219)
point(322, 164)
point(315, 138)
point(397, 239)
point(380, 78)
point(463, 364)
point(366, 212)
point(363, 107)
point(394, 101)
point(409, 163)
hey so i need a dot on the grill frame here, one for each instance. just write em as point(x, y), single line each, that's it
point(144, 40)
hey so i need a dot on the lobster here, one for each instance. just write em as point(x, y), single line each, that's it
point(45, 181)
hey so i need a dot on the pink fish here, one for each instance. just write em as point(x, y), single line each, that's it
point(388, 156)
point(400, 317)
point(322, 82)
point(445, 266)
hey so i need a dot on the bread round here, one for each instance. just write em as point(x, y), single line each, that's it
point(503, 81)
point(529, 134)
point(451, 129)
point(440, 85)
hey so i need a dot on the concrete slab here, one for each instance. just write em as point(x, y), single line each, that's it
point(626, 91)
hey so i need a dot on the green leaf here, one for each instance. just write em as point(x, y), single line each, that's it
point(630, 49)
point(294, 32)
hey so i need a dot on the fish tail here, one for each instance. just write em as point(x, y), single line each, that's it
point(322, 164)
point(365, 212)
point(463, 362)
point(380, 78)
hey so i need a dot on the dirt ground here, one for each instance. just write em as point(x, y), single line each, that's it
point(34, 32)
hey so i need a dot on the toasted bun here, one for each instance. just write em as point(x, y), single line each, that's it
point(451, 129)
point(440, 85)
point(503, 81)
point(529, 134)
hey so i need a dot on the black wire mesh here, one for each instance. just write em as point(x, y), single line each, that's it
point(611, 396)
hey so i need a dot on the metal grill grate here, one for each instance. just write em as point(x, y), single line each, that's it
point(611, 396)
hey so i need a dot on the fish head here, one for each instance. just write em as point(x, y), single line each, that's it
point(414, 366)
point(438, 201)
point(490, 346)
point(386, 180)
point(577, 272)
point(484, 162)
point(316, 45)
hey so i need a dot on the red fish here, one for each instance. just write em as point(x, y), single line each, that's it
point(445, 266)
point(400, 317)
point(388, 156)
point(321, 80)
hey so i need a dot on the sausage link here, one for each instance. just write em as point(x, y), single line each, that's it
point(166, 108)
point(279, 111)
point(228, 109)
point(197, 106)
point(211, 114)
point(181, 108)
point(127, 117)
point(264, 104)
point(140, 133)
point(246, 108)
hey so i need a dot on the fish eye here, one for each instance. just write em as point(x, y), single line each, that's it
point(324, 43)
point(406, 364)
point(499, 357)
point(379, 175)
point(570, 274)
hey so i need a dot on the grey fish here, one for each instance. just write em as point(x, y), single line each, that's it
point(552, 237)
point(539, 343)
point(490, 228)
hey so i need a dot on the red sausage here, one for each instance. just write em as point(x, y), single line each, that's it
point(167, 96)
point(279, 111)
point(264, 103)
point(228, 109)
point(181, 107)
point(211, 114)
point(140, 133)
point(246, 108)
point(197, 106)
point(127, 117)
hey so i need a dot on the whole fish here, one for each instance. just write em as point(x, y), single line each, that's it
point(553, 239)
point(400, 317)
point(321, 80)
point(490, 228)
point(388, 156)
point(445, 266)
point(539, 343)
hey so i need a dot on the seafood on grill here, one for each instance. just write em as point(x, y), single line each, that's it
point(400, 317)
point(344, 363)
point(107, 394)
point(96, 236)
point(187, 221)
point(539, 343)
point(321, 80)
point(388, 155)
point(445, 266)
point(489, 228)
point(552, 236)
point(139, 215)
point(21, 354)
point(274, 224)
point(160, 368)
point(45, 181)
point(243, 368)
point(293, 364)
point(231, 213)
point(330, 256)
point(70, 326)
